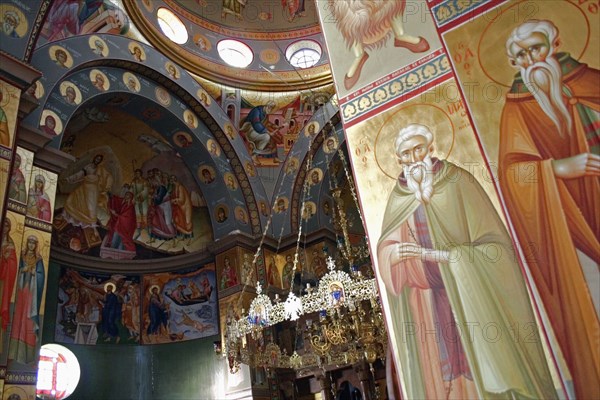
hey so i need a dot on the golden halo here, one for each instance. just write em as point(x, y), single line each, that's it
point(229, 130)
point(573, 27)
point(132, 46)
point(177, 74)
point(52, 53)
point(326, 146)
point(319, 172)
point(152, 288)
point(59, 125)
point(127, 76)
point(63, 90)
point(202, 42)
point(107, 284)
point(435, 118)
point(92, 42)
point(316, 131)
point(199, 94)
point(94, 72)
point(186, 116)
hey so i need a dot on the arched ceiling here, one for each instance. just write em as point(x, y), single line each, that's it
point(267, 28)
point(249, 204)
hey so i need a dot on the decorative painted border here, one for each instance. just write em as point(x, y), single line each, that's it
point(398, 86)
point(446, 12)
point(450, 13)
point(21, 378)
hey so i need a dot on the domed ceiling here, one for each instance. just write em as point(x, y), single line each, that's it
point(172, 103)
point(273, 32)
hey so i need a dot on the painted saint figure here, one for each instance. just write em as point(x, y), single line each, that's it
point(449, 289)
point(8, 276)
point(260, 133)
point(17, 189)
point(273, 277)
point(10, 24)
point(38, 205)
point(4, 131)
point(111, 313)
point(122, 222)
point(141, 191)
point(228, 275)
point(550, 154)
point(158, 313)
point(367, 24)
point(288, 268)
point(182, 210)
point(26, 317)
point(95, 181)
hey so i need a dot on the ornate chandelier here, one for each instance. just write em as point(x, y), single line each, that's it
point(344, 325)
point(339, 321)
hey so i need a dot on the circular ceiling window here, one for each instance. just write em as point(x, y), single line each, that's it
point(58, 372)
point(235, 53)
point(303, 53)
point(172, 26)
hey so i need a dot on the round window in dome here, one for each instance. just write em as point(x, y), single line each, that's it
point(235, 53)
point(172, 26)
point(303, 54)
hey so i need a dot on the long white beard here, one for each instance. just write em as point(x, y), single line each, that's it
point(7, 28)
point(419, 179)
point(544, 81)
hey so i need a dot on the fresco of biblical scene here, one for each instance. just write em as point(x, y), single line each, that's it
point(20, 175)
point(9, 102)
point(378, 37)
point(41, 194)
point(10, 248)
point(180, 306)
point(228, 272)
point(430, 248)
point(97, 308)
point(28, 306)
point(271, 127)
point(134, 199)
point(64, 20)
point(535, 99)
